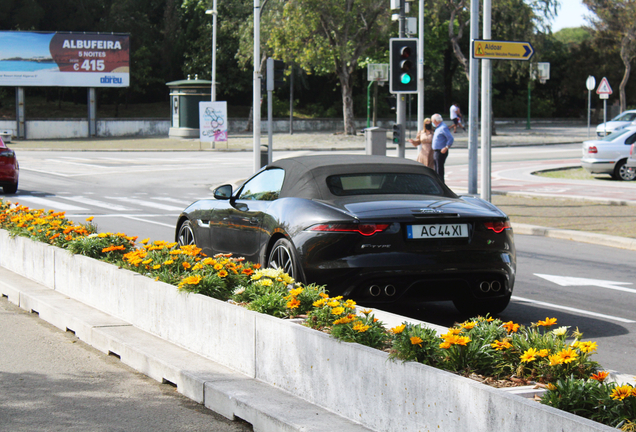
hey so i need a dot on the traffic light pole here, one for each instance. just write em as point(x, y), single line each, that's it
point(401, 97)
point(256, 100)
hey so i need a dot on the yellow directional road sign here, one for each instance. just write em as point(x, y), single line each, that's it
point(502, 50)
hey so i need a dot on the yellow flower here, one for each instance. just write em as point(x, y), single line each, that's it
point(351, 304)
point(190, 280)
point(529, 355)
point(148, 261)
point(445, 345)
point(454, 331)
point(568, 355)
point(345, 320)
point(360, 328)
point(156, 267)
point(555, 360)
point(323, 295)
point(366, 311)
point(186, 265)
point(469, 325)
point(264, 282)
point(620, 393)
point(587, 347)
point(501, 345)
point(223, 274)
point(399, 329)
point(168, 262)
point(90, 219)
point(549, 322)
point(217, 266)
point(544, 353)
point(416, 340)
point(338, 310)
point(333, 303)
point(145, 241)
point(319, 303)
point(296, 292)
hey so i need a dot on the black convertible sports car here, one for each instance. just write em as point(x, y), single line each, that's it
point(375, 229)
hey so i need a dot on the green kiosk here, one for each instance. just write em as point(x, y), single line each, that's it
point(185, 96)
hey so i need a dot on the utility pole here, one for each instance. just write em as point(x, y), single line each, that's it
point(473, 101)
point(401, 97)
point(486, 106)
point(256, 100)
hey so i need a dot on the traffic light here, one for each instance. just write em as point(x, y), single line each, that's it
point(275, 74)
point(403, 74)
point(397, 133)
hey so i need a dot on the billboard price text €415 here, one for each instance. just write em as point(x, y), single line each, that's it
point(403, 66)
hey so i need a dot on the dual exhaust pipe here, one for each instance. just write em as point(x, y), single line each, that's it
point(376, 290)
point(493, 286)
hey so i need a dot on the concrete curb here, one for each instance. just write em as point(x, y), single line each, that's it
point(578, 236)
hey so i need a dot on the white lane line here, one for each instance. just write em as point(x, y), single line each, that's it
point(76, 163)
point(148, 221)
point(89, 201)
point(50, 204)
point(173, 200)
point(147, 203)
point(569, 309)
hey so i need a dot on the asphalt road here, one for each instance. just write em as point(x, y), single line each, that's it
point(141, 193)
point(52, 381)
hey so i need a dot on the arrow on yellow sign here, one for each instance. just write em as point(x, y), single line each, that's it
point(502, 50)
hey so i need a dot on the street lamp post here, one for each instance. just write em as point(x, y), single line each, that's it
point(213, 12)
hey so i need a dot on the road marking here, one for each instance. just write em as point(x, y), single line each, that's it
point(569, 309)
point(173, 200)
point(148, 221)
point(89, 201)
point(147, 203)
point(574, 281)
point(54, 205)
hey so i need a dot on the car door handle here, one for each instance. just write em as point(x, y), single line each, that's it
point(254, 221)
point(203, 223)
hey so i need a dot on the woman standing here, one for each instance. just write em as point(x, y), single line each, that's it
point(424, 139)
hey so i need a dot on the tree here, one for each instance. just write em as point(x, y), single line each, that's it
point(615, 21)
point(330, 36)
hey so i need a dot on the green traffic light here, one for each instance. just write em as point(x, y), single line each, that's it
point(405, 78)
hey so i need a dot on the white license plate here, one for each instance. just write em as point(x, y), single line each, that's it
point(437, 231)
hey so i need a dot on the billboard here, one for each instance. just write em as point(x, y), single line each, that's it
point(64, 59)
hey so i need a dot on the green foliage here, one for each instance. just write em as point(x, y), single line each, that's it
point(365, 330)
point(415, 343)
point(271, 304)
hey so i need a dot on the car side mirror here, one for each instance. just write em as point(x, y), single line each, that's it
point(223, 192)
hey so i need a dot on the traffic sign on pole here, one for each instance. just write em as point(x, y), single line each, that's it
point(604, 89)
point(502, 50)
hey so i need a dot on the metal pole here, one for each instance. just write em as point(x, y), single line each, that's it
point(605, 116)
point(486, 94)
point(256, 101)
point(291, 101)
point(214, 14)
point(401, 100)
point(369, 104)
point(529, 98)
point(473, 101)
point(589, 108)
point(20, 117)
point(270, 124)
point(92, 122)
point(420, 68)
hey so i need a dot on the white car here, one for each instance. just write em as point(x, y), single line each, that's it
point(609, 155)
point(620, 121)
point(631, 160)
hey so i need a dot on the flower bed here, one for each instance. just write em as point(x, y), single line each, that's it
point(483, 346)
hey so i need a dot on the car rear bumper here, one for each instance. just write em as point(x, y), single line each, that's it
point(598, 166)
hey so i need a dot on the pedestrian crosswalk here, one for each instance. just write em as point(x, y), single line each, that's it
point(120, 204)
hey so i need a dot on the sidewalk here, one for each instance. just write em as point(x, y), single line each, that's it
point(507, 135)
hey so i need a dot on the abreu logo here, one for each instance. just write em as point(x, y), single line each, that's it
point(110, 80)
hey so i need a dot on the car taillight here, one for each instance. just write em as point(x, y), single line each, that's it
point(364, 229)
point(497, 226)
point(592, 149)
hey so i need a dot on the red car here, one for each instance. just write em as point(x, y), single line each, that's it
point(9, 169)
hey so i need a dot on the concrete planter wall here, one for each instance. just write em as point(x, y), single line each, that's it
point(357, 382)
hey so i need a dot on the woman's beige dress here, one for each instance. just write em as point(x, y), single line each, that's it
point(425, 141)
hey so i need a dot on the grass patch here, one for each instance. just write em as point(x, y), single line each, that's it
point(570, 173)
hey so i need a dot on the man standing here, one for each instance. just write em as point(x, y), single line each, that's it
point(442, 141)
point(456, 117)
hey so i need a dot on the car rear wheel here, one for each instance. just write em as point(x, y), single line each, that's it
point(621, 172)
point(11, 189)
point(282, 257)
point(186, 234)
point(473, 307)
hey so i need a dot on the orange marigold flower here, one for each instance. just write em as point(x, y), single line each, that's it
point(548, 322)
point(511, 327)
point(620, 393)
point(248, 271)
point(186, 265)
point(399, 329)
point(469, 325)
point(293, 303)
point(501, 345)
point(416, 340)
point(360, 328)
point(600, 376)
point(54, 236)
